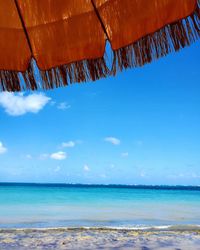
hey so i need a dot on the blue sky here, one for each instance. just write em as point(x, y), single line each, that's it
point(140, 127)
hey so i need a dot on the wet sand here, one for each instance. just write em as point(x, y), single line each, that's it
point(17, 239)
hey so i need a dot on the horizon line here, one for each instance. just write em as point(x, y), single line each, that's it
point(93, 184)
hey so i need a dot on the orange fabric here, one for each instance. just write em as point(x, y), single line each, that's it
point(62, 31)
point(14, 50)
point(65, 31)
point(127, 21)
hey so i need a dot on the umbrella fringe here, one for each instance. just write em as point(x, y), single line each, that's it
point(9, 81)
point(170, 38)
point(81, 71)
point(77, 72)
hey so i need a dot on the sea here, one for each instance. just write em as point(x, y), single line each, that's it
point(98, 206)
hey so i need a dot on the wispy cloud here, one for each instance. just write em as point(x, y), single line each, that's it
point(143, 174)
point(3, 149)
point(57, 169)
point(184, 176)
point(69, 144)
point(59, 156)
point(19, 104)
point(52, 103)
point(103, 176)
point(28, 156)
point(86, 168)
point(112, 140)
point(63, 106)
point(43, 156)
point(112, 165)
point(124, 154)
point(195, 175)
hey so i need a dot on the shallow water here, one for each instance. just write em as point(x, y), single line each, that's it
point(35, 205)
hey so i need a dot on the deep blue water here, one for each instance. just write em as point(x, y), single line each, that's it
point(60, 205)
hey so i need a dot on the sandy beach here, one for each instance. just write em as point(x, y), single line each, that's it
point(21, 239)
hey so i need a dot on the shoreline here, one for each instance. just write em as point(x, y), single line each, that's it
point(142, 228)
point(98, 238)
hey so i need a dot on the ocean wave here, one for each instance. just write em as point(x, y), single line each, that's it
point(111, 228)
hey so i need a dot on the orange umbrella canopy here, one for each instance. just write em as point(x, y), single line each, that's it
point(51, 43)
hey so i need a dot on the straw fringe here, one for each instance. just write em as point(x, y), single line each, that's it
point(81, 71)
point(33, 79)
point(170, 38)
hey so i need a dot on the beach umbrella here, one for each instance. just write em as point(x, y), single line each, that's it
point(52, 43)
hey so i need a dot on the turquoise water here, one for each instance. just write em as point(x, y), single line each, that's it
point(99, 206)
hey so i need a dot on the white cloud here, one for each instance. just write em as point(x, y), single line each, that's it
point(112, 165)
point(28, 156)
point(63, 106)
point(3, 149)
point(112, 140)
point(86, 168)
point(18, 104)
point(57, 169)
point(124, 154)
point(142, 174)
point(58, 156)
point(69, 144)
